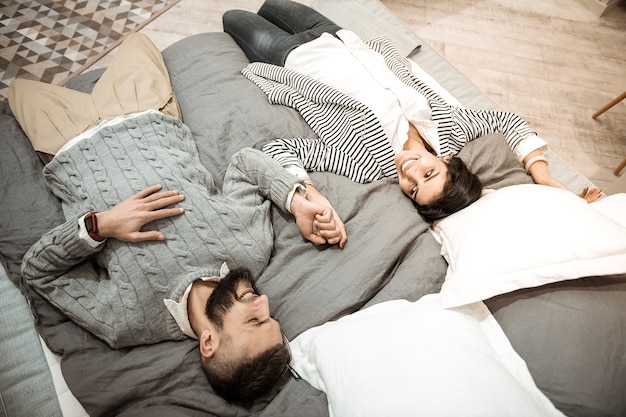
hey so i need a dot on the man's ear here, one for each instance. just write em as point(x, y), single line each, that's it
point(208, 343)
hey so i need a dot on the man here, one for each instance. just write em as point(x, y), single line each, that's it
point(149, 239)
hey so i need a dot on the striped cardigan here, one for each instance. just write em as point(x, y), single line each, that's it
point(351, 140)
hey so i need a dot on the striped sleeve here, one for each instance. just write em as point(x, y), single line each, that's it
point(351, 140)
point(457, 126)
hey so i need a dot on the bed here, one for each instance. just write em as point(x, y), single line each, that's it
point(570, 333)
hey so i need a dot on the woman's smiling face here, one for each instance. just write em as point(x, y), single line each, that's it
point(421, 174)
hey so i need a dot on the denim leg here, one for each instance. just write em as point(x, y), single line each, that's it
point(297, 18)
point(259, 39)
point(280, 27)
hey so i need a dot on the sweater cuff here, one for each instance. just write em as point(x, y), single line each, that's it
point(84, 235)
point(282, 188)
point(72, 240)
point(296, 189)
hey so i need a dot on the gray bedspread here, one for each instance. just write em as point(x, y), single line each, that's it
point(388, 256)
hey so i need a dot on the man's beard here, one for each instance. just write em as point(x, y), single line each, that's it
point(224, 296)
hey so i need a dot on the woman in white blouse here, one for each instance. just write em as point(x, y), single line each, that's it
point(304, 60)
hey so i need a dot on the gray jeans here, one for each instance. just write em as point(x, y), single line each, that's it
point(276, 29)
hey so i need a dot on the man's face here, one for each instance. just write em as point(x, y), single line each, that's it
point(243, 316)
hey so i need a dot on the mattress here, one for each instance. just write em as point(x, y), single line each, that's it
point(32, 383)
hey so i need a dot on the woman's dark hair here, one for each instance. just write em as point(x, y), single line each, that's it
point(461, 189)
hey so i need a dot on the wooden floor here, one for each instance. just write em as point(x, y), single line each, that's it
point(551, 61)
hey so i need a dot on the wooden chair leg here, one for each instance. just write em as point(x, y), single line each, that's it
point(620, 167)
point(610, 104)
point(602, 110)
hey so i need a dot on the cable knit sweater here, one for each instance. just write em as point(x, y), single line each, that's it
point(118, 293)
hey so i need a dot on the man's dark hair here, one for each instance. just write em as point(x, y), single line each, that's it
point(461, 189)
point(244, 380)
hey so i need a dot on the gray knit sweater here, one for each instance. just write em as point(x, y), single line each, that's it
point(118, 293)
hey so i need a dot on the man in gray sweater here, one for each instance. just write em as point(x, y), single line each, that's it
point(144, 270)
point(145, 252)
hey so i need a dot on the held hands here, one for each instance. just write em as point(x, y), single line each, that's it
point(125, 220)
point(317, 220)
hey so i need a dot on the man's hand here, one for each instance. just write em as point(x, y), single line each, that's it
point(334, 222)
point(318, 223)
point(125, 220)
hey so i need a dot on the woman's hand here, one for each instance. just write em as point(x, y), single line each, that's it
point(317, 219)
point(125, 220)
point(590, 194)
point(331, 226)
point(541, 175)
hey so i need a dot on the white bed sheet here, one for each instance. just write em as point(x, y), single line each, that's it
point(70, 407)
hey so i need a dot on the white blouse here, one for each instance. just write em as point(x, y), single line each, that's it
point(332, 61)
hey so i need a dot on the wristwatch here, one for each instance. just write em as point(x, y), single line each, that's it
point(92, 226)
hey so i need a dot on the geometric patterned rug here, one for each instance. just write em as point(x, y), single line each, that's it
point(51, 40)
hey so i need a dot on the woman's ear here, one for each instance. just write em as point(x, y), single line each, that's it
point(447, 159)
point(208, 343)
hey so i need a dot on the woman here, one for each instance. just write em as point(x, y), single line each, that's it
point(374, 118)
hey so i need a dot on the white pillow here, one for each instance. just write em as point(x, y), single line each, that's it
point(613, 206)
point(400, 358)
point(526, 236)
